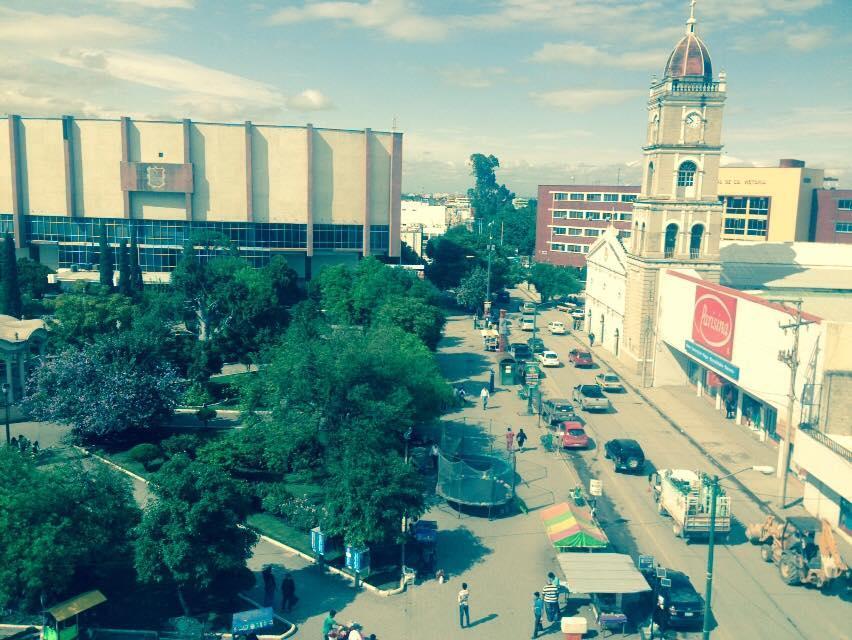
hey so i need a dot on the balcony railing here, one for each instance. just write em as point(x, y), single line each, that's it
point(694, 87)
point(669, 252)
point(824, 440)
point(694, 253)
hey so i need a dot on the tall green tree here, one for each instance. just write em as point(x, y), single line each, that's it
point(193, 534)
point(106, 265)
point(125, 285)
point(12, 303)
point(55, 524)
point(78, 317)
point(551, 280)
point(136, 283)
point(472, 289)
point(487, 197)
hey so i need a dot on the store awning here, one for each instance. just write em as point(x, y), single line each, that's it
point(571, 527)
point(601, 573)
point(76, 605)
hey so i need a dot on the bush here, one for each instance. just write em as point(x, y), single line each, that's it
point(145, 454)
point(181, 443)
point(299, 511)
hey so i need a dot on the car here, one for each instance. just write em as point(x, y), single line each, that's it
point(609, 382)
point(521, 352)
point(677, 602)
point(548, 359)
point(590, 397)
point(528, 307)
point(557, 328)
point(556, 410)
point(580, 358)
point(626, 454)
point(572, 435)
point(527, 323)
point(536, 345)
point(503, 296)
point(567, 307)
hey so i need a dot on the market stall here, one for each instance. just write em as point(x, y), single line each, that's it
point(571, 526)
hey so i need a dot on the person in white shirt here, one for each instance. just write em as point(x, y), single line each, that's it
point(464, 606)
point(484, 395)
point(354, 632)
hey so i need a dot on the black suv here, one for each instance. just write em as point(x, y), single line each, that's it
point(556, 410)
point(626, 454)
point(536, 345)
point(676, 602)
point(521, 352)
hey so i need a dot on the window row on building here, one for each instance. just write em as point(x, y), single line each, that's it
point(563, 214)
point(745, 205)
point(846, 205)
point(569, 248)
point(843, 227)
point(743, 227)
point(589, 232)
point(595, 197)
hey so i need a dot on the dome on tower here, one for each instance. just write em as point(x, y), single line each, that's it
point(690, 57)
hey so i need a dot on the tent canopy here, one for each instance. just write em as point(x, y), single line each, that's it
point(601, 573)
point(78, 604)
point(572, 527)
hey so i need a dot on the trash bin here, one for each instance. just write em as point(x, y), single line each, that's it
point(574, 628)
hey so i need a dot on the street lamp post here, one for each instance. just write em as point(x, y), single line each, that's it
point(711, 538)
point(407, 435)
point(6, 406)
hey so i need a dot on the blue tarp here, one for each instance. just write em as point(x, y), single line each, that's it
point(253, 620)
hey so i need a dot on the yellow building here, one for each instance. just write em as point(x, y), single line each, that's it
point(768, 203)
point(313, 195)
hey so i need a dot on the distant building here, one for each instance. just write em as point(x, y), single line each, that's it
point(832, 217)
point(421, 221)
point(314, 196)
point(520, 203)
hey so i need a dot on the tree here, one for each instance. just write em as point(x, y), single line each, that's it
point(32, 277)
point(416, 316)
point(55, 523)
point(487, 198)
point(472, 289)
point(136, 282)
point(105, 259)
point(125, 285)
point(519, 229)
point(79, 317)
point(117, 385)
point(12, 304)
point(550, 280)
point(193, 534)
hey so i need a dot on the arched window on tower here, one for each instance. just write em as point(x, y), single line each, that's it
point(686, 174)
point(670, 241)
point(695, 238)
point(650, 181)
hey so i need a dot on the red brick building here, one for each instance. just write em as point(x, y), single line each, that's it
point(571, 217)
point(832, 216)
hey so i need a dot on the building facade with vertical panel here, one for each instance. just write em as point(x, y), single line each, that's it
point(315, 196)
point(832, 219)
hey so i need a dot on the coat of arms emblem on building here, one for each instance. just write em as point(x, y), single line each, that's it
point(156, 177)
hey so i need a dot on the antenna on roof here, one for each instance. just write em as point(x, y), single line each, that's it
point(394, 124)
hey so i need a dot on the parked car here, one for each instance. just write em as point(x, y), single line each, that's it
point(557, 328)
point(567, 307)
point(521, 352)
point(590, 397)
point(677, 602)
point(572, 435)
point(609, 382)
point(536, 345)
point(626, 454)
point(556, 410)
point(580, 358)
point(548, 359)
point(527, 323)
point(528, 307)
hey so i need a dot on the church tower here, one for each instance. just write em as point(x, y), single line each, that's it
point(677, 217)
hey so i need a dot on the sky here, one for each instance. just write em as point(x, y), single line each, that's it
point(556, 89)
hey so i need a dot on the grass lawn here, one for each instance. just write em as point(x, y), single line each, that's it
point(277, 529)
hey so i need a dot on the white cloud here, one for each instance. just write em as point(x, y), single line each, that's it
point(743, 10)
point(309, 100)
point(808, 38)
point(589, 55)
point(54, 31)
point(583, 99)
point(154, 4)
point(472, 77)
point(399, 19)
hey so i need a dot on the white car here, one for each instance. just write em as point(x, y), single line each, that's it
point(556, 328)
point(527, 323)
point(548, 359)
point(609, 382)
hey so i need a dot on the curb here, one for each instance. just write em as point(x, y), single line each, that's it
point(291, 631)
point(762, 505)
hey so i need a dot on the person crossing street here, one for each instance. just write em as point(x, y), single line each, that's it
point(484, 395)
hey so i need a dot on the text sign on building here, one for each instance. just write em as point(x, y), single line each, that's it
point(713, 321)
point(730, 371)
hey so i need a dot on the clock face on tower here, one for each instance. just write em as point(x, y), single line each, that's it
point(693, 120)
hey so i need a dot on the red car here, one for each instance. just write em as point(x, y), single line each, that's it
point(580, 358)
point(572, 435)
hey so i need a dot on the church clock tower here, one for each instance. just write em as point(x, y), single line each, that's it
point(677, 217)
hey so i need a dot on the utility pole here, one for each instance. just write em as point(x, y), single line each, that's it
point(791, 359)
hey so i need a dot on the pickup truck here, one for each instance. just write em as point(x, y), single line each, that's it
point(556, 410)
point(590, 397)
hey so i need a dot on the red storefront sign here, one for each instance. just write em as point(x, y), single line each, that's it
point(714, 320)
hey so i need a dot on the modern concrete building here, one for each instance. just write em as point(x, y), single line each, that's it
point(313, 195)
point(832, 216)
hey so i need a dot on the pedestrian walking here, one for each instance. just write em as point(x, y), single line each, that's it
point(510, 439)
point(434, 451)
point(522, 438)
point(464, 606)
point(288, 592)
point(484, 395)
point(538, 609)
point(268, 586)
point(491, 381)
point(591, 339)
point(550, 594)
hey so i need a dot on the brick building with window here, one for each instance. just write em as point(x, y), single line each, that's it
point(832, 218)
point(315, 196)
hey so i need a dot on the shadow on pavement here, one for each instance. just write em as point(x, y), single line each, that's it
point(460, 366)
point(317, 592)
point(459, 550)
point(483, 620)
